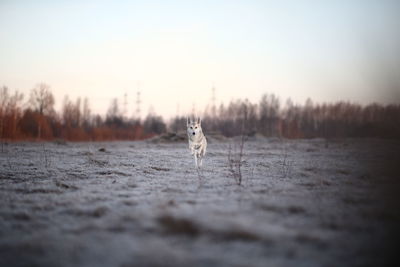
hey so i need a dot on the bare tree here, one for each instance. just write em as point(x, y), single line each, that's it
point(10, 112)
point(114, 114)
point(235, 155)
point(269, 109)
point(3, 103)
point(71, 112)
point(86, 113)
point(154, 124)
point(77, 113)
point(14, 111)
point(177, 124)
point(41, 99)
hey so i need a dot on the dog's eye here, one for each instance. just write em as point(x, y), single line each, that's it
point(191, 127)
point(195, 127)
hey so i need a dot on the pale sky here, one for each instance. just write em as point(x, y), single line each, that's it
point(175, 51)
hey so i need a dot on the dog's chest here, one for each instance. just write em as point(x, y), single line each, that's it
point(196, 145)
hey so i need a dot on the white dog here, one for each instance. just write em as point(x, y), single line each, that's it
point(197, 141)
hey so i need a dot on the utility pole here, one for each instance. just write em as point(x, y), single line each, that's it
point(125, 108)
point(138, 102)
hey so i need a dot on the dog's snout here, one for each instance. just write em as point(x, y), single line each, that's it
point(194, 133)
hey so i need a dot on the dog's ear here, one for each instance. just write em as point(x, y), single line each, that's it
point(199, 120)
point(187, 121)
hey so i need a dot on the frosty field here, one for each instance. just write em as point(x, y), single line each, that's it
point(301, 203)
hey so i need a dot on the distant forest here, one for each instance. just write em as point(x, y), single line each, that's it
point(34, 118)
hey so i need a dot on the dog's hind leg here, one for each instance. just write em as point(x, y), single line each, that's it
point(200, 161)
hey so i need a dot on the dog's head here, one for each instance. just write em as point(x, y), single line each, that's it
point(194, 127)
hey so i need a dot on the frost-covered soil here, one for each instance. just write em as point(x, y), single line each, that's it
point(301, 203)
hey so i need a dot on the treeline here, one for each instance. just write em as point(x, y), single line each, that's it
point(34, 118)
point(328, 120)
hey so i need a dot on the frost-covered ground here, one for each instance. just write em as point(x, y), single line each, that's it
point(302, 203)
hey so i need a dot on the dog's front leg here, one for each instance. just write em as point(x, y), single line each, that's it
point(195, 160)
point(191, 149)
